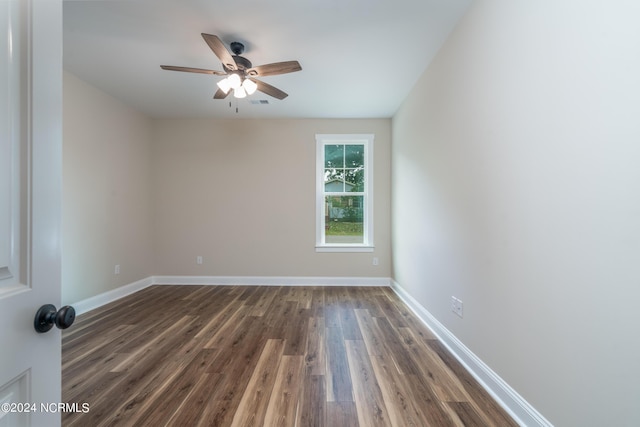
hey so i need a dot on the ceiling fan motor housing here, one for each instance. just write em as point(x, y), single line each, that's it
point(242, 63)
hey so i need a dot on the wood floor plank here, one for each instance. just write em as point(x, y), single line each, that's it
point(410, 401)
point(433, 369)
point(79, 354)
point(315, 352)
point(151, 383)
point(371, 338)
point(131, 343)
point(218, 413)
point(218, 318)
point(339, 387)
point(312, 405)
point(283, 404)
point(409, 318)
point(279, 316)
point(432, 410)
point(479, 398)
point(181, 385)
point(300, 294)
point(393, 344)
point(222, 331)
point(370, 404)
point(365, 298)
point(403, 409)
point(237, 368)
point(391, 312)
point(190, 411)
point(251, 355)
point(466, 415)
point(332, 308)
point(297, 332)
point(96, 322)
point(82, 374)
point(139, 354)
point(261, 302)
point(246, 335)
point(94, 391)
point(349, 324)
point(253, 405)
point(317, 302)
point(343, 414)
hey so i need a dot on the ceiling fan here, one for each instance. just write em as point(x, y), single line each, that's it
point(241, 74)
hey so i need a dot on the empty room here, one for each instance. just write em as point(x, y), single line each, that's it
point(320, 213)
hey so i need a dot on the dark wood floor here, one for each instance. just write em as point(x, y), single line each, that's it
point(275, 356)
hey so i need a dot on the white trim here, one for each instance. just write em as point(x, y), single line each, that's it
point(521, 410)
point(271, 281)
point(345, 248)
point(110, 296)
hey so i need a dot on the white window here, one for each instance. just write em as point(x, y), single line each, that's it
point(344, 193)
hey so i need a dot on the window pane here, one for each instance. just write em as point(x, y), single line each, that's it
point(334, 180)
point(354, 180)
point(344, 219)
point(334, 156)
point(354, 156)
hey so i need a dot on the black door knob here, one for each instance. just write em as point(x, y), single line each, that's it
point(47, 316)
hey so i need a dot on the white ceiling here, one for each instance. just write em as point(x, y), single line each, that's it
point(360, 58)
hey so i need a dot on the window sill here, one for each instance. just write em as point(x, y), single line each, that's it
point(344, 248)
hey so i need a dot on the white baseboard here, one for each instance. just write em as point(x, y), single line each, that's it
point(110, 296)
point(271, 281)
point(522, 412)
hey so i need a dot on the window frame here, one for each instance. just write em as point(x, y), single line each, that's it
point(367, 244)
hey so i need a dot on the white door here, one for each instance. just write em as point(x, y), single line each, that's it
point(30, 205)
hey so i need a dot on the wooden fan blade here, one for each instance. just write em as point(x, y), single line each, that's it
point(270, 90)
point(220, 94)
point(193, 70)
point(274, 69)
point(220, 50)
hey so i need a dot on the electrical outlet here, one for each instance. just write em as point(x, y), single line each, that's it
point(198, 260)
point(116, 269)
point(456, 306)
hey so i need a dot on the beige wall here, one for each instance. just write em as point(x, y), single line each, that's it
point(516, 184)
point(106, 193)
point(240, 193)
point(151, 195)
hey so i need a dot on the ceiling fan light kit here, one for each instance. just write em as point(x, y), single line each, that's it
point(234, 81)
point(249, 86)
point(240, 73)
point(224, 85)
point(240, 90)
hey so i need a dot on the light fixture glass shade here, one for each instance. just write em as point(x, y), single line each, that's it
point(234, 81)
point(249, 86)
point(224, 85)
point(239, 92)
